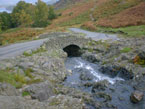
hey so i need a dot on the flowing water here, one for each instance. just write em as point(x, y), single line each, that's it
point(119, 90)
point(77, 65)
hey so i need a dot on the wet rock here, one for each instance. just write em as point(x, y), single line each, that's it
point(136, 96)
point(114, 71)
point(85, 75)
point(8, 90)
point(88, 84)
point(100, 86)
point(41, 91)
point(140, 84)
point(90, 57)
point(106, 97)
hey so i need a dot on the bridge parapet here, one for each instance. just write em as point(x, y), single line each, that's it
point(62, 42)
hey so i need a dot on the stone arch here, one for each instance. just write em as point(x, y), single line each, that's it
point(72, 50)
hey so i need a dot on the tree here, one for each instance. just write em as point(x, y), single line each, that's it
point(23, 14)
point(41, 14)
point(51, 13)
point(24, 19)
point(5, 21)
point(0, 25)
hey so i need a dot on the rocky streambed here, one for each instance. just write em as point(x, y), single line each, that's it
point(104, 75)
point(109, 90)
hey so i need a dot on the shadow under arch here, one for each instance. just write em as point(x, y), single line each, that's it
point(72, 50)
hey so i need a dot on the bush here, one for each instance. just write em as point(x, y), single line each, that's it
point(41, 23)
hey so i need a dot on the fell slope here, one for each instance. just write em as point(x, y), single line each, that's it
point(108, 13)
point(64, 3)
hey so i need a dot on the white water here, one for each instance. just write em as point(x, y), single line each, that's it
point(93, 68)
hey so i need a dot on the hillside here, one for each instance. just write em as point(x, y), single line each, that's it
point(65, 3)
point(93, 14)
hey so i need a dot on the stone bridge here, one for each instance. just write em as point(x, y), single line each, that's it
point(70, 44)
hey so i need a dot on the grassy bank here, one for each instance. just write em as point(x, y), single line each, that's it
point(19, 34)
point(17, 79)
point(131, 31)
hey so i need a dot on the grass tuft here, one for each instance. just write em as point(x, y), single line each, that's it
point(125, 50)
point(25, 93)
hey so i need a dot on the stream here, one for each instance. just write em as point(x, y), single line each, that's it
point(86, 77)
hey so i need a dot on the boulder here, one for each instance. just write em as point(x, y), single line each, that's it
point(17, 102)
point(26, 65)
point(100, 86)
point(8, 90)
point(41, 91)
point(114, 71)
point(65, 102)
point(85, 75)
point(136, 96)
point(90, 57)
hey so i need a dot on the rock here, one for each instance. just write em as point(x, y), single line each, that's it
point(8, 90)
point(124, 57)
point(142, 55)
point(114, 71)
point(43, 46)
point(140, 85)
point(85, 75)
point(106, 97)
point(100, 86)
point(136, 96)
point(140, 58)
point(26, 65)
point(56, 102)
point(41, 91)
point(90, 57)
point(28, 51)
point(16, 102)
point(65, 102)
point(4, 65)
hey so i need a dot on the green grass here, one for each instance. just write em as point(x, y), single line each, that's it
point(7, 76)
point(25, 93)
point(77, 20)
point(132, 31)
point(28, 72)
point(125, 50)
point(16, 79)
point(11, 30)
point(32, 78)
point(39, 50)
